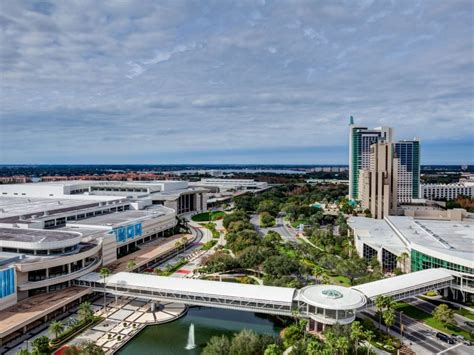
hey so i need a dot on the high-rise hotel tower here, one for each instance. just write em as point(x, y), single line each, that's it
point(360, 140)
point(400, 171)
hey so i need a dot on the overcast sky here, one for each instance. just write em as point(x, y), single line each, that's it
point(232, 81)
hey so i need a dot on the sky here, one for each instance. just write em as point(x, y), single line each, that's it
point(169, 82)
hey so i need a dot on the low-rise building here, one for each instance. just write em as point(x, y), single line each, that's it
point(447, 191)
point(417, 244)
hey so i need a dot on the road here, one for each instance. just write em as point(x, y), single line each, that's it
point(287, 233)
point(429, 308)
point(419, 337)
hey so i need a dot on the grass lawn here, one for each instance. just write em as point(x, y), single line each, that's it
point(297, 223)
point(465, 313)
point(428, 319)
point(340, 280)
point(208, 216)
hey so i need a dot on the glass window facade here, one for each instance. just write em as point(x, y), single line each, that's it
point(7, 282)
point(408, 152)
point(420, 261)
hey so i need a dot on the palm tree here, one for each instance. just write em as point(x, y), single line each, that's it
point(104, 273)
point(85, 311)
point(402, 258)
point(389, 317)
point(369, 336)
point(177, 245)
point(56, 327)
point(342, 344)
point(356, 333)
point(184, 240)
point(131, 265)
point(380, 305)
point(318, 272)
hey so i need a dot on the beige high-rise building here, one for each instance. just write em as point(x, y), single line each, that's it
point(378, 184)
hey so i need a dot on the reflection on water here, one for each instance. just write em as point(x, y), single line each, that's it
point(173, 338)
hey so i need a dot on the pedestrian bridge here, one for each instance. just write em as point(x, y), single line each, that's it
point(322, 304)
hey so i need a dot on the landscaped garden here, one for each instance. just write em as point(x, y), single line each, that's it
point(208, 216)
point(444, 326)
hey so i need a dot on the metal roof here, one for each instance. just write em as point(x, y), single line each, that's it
point(212, 288)
point(403, 282)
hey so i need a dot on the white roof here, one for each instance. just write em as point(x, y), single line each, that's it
point(332, 297)
point(213, 288)
point(397, 284)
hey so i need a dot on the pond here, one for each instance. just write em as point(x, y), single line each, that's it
point(172, 338)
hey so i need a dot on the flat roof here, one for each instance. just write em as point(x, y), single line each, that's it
point(444, 239)
point(16, 206)
point(332, 297)
point(396, 284)
point(377, 234)
point(34, 235)
point(120, 218)
point(214, 288)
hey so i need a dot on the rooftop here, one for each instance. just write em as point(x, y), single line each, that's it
point(401, 233)
point(35, 235)
point(332, 297)
point(282, 295)
point(121, 218)
point(396, 285)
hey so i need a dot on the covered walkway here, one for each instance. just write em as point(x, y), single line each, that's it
point(267, 299)
point(408, 285)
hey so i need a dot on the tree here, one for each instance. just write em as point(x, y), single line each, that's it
point(131, 264)
point(443, 314)
point(90, 348)
point(342, 344)
point(380, 305)
point(269, 206)
point(357, 332)
point(247, 342)
point(266, 220)
point(402, 259)
point(56, 327)
point(369, 336)
point(273, 349)
point(41, 345)
point(184, 241)
point(104, 273)
point(330, 341)
point(23, 352)
point(280, 265)
point(85, 311)
point(389, 317)
point(177, 246)
point(217, 345)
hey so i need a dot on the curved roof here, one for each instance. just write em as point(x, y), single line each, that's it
point(332, 297)
point(37, 238)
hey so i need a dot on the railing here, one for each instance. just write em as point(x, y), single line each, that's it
point(63, 278)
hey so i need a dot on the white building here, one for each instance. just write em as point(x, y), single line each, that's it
point(425, 243)
point(447, 191)
point(231, 184)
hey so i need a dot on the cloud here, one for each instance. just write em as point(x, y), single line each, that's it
point(161, 80)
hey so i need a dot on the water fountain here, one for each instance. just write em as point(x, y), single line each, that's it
point(191, 343)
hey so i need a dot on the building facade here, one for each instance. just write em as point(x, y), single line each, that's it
point(447, 191)
point(360, 140)
point(408, 154)
point(378, 184)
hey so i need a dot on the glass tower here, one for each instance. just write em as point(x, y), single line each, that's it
point(408, 153)
point(360, 140)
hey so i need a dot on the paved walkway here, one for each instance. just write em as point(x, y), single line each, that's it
point(126, 317)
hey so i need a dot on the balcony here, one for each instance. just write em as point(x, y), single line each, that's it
point(59, 279)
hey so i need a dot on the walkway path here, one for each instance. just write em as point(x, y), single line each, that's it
point(125, 318)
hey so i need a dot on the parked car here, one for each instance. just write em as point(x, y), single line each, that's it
point(446, 338)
